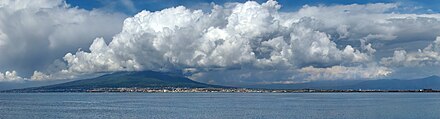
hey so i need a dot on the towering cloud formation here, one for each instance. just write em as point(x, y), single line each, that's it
point(251, 42)
point(180, 38)
point(248, 36)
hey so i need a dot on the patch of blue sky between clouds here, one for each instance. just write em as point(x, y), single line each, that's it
point(405, 6)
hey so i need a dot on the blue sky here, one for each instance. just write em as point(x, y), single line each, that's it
point(288, 5)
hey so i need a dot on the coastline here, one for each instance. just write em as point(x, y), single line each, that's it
point(214, 90)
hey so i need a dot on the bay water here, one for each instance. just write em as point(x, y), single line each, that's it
point(220, 105)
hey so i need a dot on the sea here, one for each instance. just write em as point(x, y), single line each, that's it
point(220, 105)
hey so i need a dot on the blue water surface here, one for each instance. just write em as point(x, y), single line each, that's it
point(220, 105)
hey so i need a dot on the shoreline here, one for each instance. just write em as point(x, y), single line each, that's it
point(213, 90)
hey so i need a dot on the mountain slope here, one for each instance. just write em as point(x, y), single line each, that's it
point(144, 79)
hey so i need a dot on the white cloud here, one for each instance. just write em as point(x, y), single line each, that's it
point(429, 56)
point(378, 24)
point(33, 33)
point(9, 76)
point(16, 5)
point(342, 72)
point(369, 21)
point(40, 76)
point(241, 42)
point(245, 76)
point(246, 35)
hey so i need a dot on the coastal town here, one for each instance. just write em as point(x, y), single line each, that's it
point(240, 90)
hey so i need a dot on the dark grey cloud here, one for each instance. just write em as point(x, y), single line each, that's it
point(35, 33)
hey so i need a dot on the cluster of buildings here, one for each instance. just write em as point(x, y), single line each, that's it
point(238, 90)
point(178, 90)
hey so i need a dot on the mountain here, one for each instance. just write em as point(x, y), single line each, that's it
point(142, 79)
point(151, 79)
point(432, 82)
point(332, 84)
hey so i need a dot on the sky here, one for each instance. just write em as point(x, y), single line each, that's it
point(223, 42)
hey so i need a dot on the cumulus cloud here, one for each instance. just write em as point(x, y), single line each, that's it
point(179, 38)
point(33, 33)
point(375, 21)
point(39, 76)
point(342, 72)
point(286, 76)
point(378, 24)
point(242, 36)
point(239, 42)
point(423, 57)
point(9, 76)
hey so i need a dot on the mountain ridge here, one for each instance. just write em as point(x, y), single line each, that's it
point(158, 80)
